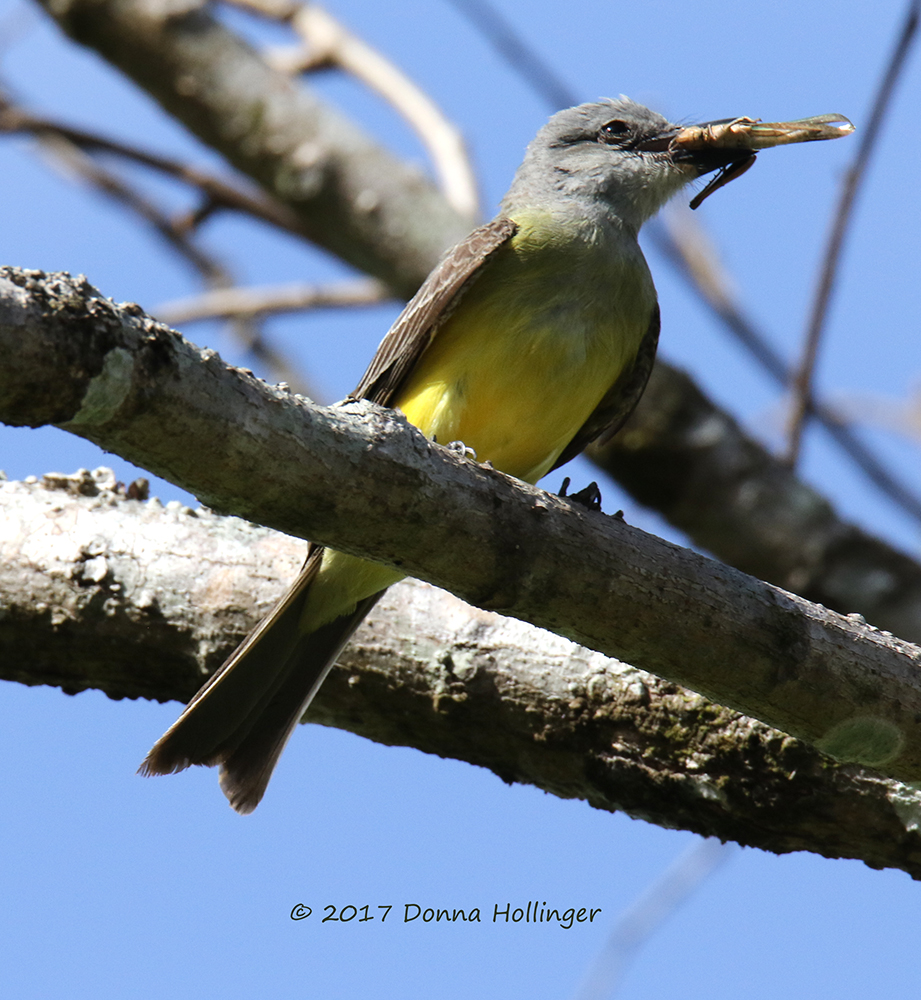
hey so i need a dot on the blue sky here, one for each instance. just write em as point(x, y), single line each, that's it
point(114, 886)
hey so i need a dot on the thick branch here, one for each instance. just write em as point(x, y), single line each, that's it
point(361, 478)
point(143, 600)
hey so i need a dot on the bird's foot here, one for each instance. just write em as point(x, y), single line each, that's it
point(588, 497)
point(461, 450)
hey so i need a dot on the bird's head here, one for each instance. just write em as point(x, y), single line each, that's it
point(616, 156)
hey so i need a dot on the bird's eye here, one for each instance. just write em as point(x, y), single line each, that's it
point(613, 131)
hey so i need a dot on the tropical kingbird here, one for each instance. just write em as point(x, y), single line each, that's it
point(532, 337)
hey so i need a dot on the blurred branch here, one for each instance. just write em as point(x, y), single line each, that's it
point(244, 302)
point(682, 242)
point(521, 57)
point(801, 402)
point(218, 193)
point(328, 43)
point(68, 148)
point(143, 601)
point(648, 912)
point(65, 154)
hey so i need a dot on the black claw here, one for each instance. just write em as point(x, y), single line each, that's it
point(588, 497)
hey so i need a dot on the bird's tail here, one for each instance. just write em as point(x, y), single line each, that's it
point(243, 715)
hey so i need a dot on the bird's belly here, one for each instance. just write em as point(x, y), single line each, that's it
point(517, 399)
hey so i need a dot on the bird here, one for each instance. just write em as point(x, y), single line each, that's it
point(531, 338)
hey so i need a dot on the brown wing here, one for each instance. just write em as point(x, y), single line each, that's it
point(414, 329)
point(620, 400)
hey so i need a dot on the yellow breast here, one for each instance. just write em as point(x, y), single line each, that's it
point(533, 346)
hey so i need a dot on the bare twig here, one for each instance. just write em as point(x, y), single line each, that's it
point(218, 192)
point(62, 153)
point(649, 911)
point(521, 57)
point(330, 43)
point(803, 379)
point(244, 330)
point(246, 302)
point(68, 148)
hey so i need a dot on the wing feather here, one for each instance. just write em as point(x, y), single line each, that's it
point(439, 295)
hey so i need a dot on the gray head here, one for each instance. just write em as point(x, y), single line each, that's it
point(614, 156)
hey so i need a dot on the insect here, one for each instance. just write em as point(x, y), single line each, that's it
point(749, 135)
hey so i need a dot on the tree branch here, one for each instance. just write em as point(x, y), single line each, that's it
point(802, 385)
point(218, 192)
point(363, 479)
point(224, 303)
point(142, 600)
point(683, 242)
